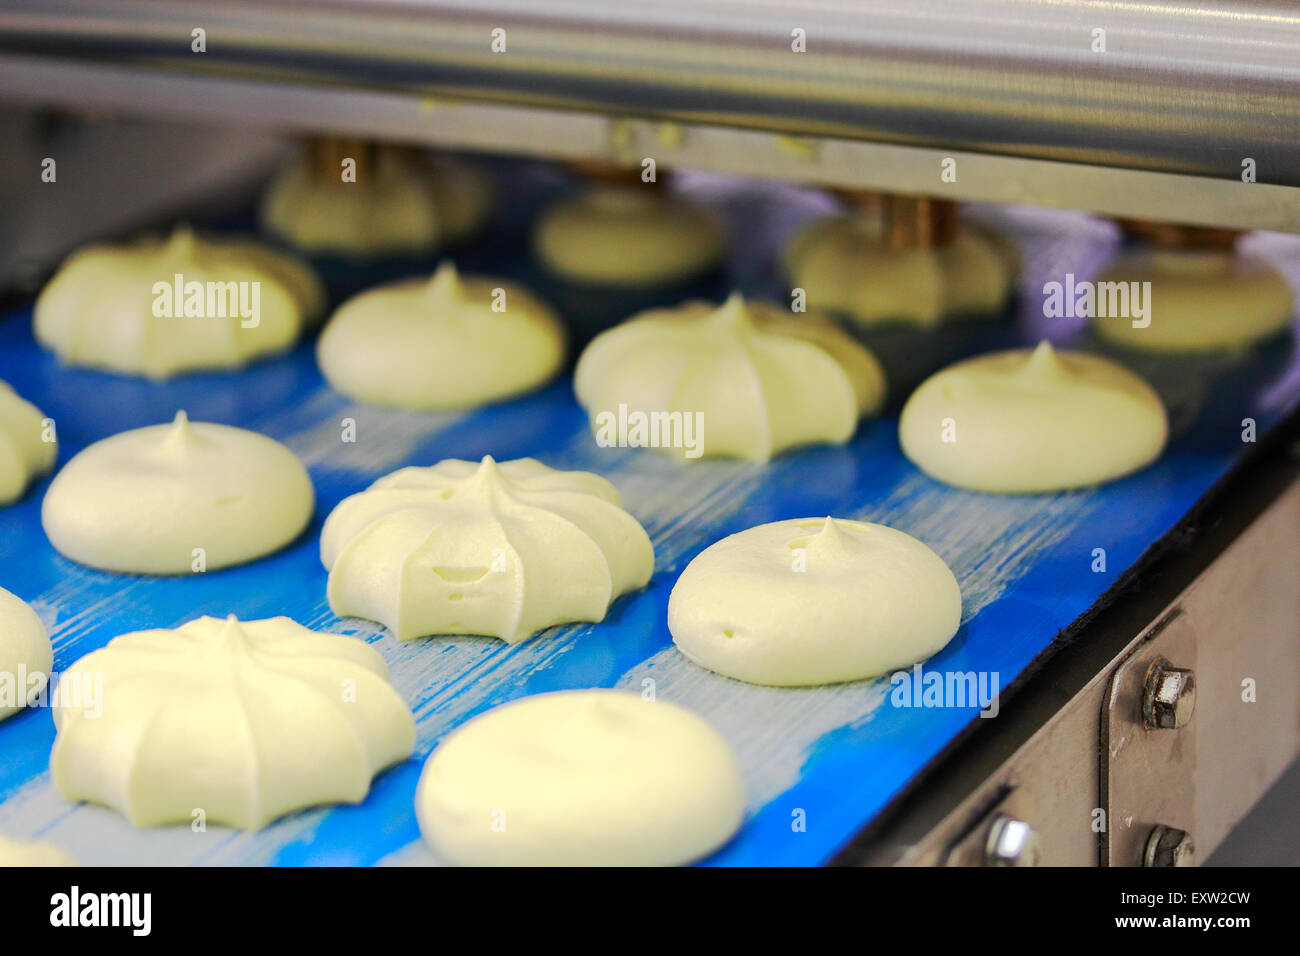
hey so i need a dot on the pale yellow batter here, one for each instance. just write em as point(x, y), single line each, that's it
point(1032, 421)
point(580, 778)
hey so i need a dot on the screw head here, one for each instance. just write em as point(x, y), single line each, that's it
point(1012, 842)
point(1168, 846)
point(1170, 697)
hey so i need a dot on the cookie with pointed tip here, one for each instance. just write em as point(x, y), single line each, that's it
point(241, 721)
point(627, 236)
point(27, 446)
point(178, 498)
point(813, 601)
point(445, 342)
point(158, 308)
point(34, 853)
point(26, 657)
point(1032, 420)
point(503, 550)
point(581, 778)
point(757, 378)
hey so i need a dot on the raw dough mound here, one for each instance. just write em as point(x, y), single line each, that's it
point(245, 721)
point(844, 265)
point(441, 343)
point(24, 452)
point(813, 601)
point(762, 379)
point(1032, 421)
point(117, 307)
point(581, 778)
point(26, 656)
point(627, 236)
point(21, 853)
point(504, 550)
point(143, 501)
point(1199, 301)
point(389, 210)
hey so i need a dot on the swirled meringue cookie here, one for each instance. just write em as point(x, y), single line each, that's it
point(580, 778)
point(844, 265)
point(627, 236)
point(242, 722)
point(158, 308)
point(1032, 421)
point(23, 853)
point(445, 342)
point(172, 499)
point(756, 378)
point(26, 657)
point(24, 451)
point(1198, 301)
point(813, 601)
point(389, 210)
point(503, 550)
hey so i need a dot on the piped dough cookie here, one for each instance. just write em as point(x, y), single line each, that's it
point(178, 498)
point(627, 236)
point(813, 601)
point(1032, 421)
point(503, 550)
point(26, 657)
point(844, 265)
point(241, 721)
point(580, 778)
point(24, 853)
point(1198, 301)
point(750, 378)
point(27, 444)
point(158, 308)
point(445, 342)
point(389, 210)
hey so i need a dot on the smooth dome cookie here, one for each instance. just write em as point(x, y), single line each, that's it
point(172, 499)
point(1032, 421)
point(445, 342)
point(23, 853)
point(580, 778)
point(627, 236)
point(758, 379)
point(503, 550)
point(844, 265)
point(1198, 301)
point(389, 210)
point(26, 657)
point(159, 308)
point(813, 601)
point(24, 452)
point(243, 720)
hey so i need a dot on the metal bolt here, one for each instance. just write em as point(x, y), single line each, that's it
point(1011, 842)
point(1170, 696)
point(1167, 846)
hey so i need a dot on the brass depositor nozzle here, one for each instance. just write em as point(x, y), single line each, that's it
point(1172, 235)
point(605, 173)
point(917, 222)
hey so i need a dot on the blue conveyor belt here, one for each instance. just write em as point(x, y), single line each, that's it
point(830, 757)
